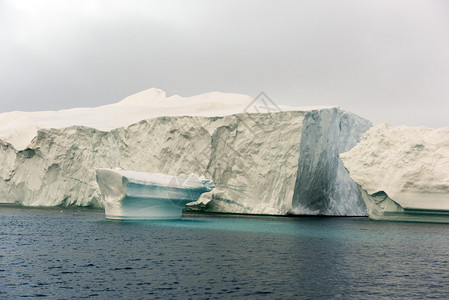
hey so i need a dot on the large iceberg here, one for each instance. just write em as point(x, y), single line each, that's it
point(402, 172)
point(138, 195)
point(262, 159)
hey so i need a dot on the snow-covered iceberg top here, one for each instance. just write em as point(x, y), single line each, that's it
point(407, 165)
point(139, 195)
point(19, 128)
point(184, 181)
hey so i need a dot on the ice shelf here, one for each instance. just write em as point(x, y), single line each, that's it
point(263, 158)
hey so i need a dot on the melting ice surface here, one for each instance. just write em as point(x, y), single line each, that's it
point(139, 195)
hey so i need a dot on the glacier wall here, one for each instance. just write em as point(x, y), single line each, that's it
point(267, 163)
point(323, 186)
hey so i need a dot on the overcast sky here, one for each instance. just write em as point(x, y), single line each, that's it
point(384, 60)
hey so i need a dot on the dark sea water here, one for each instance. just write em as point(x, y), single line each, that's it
point(76, 253)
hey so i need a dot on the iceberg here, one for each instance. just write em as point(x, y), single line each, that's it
point(274, 160)
point(402, 173)
point(138, 195)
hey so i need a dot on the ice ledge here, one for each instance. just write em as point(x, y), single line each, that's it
point(138, 195)
point(429, 208)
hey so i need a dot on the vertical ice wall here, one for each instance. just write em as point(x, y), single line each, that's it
point(323, 186)
point(253, 161)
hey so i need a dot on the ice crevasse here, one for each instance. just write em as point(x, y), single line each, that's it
point(281, 160)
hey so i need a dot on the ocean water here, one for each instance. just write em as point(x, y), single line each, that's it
point(76, 253)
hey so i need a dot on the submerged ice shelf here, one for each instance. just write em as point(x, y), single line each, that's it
point(402, 173)
point(284, 161)
point(138, 195)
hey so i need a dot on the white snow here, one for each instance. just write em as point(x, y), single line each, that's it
point(186, 181)
point(405, 166)
point(19, 128)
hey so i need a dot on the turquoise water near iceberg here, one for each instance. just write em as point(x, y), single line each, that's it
point(75, 253)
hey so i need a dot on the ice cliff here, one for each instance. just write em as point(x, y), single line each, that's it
point(322, 183)
point(402, 170)
point(278, 162)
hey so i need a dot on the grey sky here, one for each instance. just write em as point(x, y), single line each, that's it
point(384, 60)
